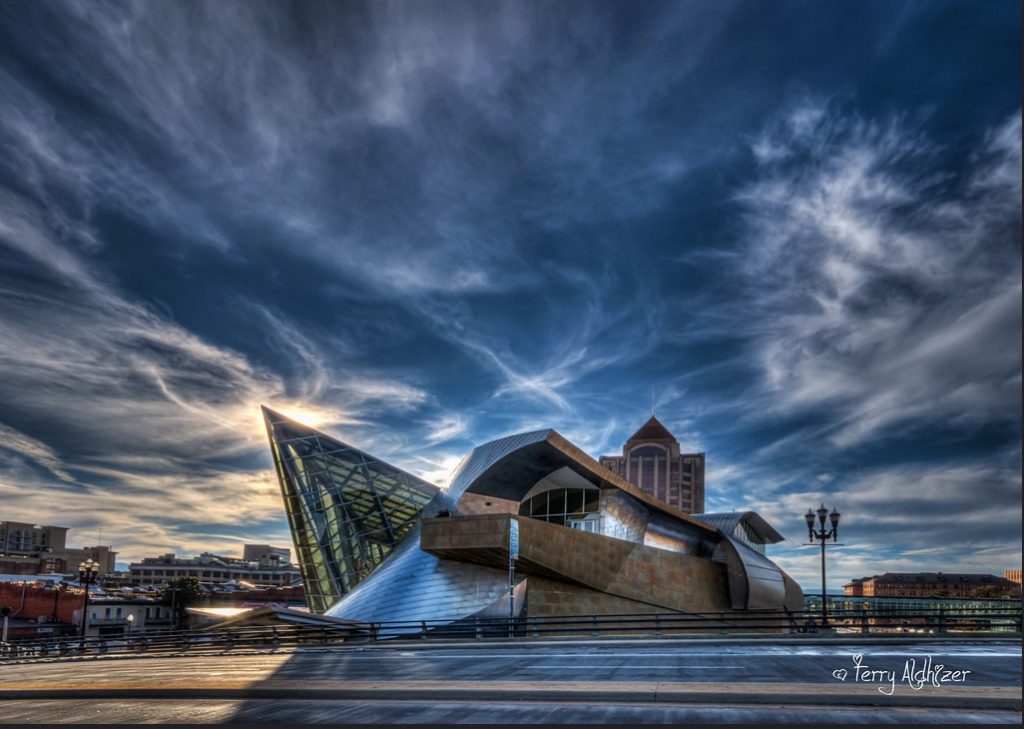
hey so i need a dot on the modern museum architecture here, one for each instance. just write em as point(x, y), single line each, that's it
point(377, 544)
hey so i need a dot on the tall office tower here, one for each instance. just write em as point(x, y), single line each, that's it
point(651, 460)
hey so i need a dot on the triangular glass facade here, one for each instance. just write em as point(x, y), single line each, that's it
point(347, 510)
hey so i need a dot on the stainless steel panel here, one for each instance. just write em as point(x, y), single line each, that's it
point(670, 534)
point(413, 585)
point(623, 517)
point(485, 456)
point(755, 582)
point(728, 521)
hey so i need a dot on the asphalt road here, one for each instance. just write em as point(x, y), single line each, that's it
point(602, 663)
point(396, 712)
point(989, 664)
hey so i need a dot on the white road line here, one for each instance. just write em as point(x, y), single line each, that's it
point(841, 654)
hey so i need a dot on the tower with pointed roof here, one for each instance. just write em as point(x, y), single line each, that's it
point(651, 461)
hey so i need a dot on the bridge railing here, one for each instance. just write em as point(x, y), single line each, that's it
point(984, 620)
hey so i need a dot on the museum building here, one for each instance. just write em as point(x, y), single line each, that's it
point(377, 544)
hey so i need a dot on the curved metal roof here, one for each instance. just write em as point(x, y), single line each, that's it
point(508, 468)
point(755, 582)
point(728, 521)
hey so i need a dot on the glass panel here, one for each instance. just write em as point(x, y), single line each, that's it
point(556, 504)
point(575, 501)
point(346, 511)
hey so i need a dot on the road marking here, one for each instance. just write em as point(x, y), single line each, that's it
point(914, 651)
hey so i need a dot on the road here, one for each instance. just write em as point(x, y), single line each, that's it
point(990, 664)
point(619, 682)
point(397, 712)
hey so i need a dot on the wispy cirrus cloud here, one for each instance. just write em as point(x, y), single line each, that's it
point(34, 450)
point(422, 232)
point(892, 300)
point(144, 419)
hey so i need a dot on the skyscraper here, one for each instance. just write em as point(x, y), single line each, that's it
point(651, 461)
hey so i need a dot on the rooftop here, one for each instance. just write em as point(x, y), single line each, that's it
point(962, 577)
point(652, 430)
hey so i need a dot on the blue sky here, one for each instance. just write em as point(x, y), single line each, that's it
point(420, 226)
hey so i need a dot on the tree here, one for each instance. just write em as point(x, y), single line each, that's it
point(179, 594)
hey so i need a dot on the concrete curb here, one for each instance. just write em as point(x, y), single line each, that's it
point(990, 699)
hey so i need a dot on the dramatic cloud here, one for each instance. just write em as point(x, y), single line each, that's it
point(794, 231)
point(896, 294)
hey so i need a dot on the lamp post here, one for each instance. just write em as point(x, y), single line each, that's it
point(823, 535)
point(87, 572)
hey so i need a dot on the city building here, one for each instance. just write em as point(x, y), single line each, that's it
point(123, 617)
point(27, 548)
point(23, 538)
point(652, 462)
point(378, 544)
point(1013, 576)
point(49, 610)
point(266, 553)
point(212, 568)
point(930, 584)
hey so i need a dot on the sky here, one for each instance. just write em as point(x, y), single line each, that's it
point(795, 227)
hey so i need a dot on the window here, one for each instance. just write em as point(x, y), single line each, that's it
point(562, 506)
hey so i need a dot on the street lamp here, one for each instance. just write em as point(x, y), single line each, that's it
point(87, 572)
point(823, 535)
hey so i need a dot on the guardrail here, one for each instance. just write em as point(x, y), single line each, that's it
point(937, 622)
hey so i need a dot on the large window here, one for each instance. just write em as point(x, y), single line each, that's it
point(563, 506)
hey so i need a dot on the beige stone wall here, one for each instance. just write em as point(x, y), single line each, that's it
point(549, 598)
point(573, 573)
point(472, 504)
point(668, 580)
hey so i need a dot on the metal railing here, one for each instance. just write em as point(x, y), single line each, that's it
point(988, 621)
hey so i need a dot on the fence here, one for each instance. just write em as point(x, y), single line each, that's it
point(864, 619)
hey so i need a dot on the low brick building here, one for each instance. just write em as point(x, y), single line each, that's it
point(214, 568)
point(931, 584)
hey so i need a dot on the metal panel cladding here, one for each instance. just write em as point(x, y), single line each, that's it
point(347, 510)
point(416, 585)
